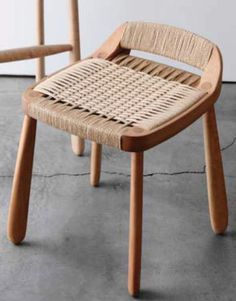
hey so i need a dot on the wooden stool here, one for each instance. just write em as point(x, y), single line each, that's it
point(126, 102)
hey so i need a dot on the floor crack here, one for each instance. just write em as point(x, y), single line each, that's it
point(182, 172)
point(193, 172)
point(229, 145)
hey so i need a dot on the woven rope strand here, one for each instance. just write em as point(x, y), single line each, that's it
point(169, 41)
point(105, 98)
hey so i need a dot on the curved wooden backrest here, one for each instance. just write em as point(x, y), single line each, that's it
point(171, 42)
point(168, 41)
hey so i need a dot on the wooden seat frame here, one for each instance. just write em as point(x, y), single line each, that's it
point(135, 140)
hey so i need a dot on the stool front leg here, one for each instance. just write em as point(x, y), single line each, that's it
point(215, 175)
point(135, 230)
point(95, 168)
point(19, 203)
point(77, 145)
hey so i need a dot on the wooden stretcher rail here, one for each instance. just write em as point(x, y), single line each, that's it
point(32, 52)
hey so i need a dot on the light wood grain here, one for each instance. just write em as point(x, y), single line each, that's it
point(77, 143)
point(95, 168)
point(135, 228)
point(19, 202)
point(111, 47)
point(215, 175)
point(40, 62)
point(74, 31)
point(12, 55)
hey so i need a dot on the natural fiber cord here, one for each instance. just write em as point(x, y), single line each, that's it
point(156, 69)
point(97, 99)
point(169, 41)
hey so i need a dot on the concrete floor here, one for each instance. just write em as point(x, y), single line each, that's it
point(77, 239)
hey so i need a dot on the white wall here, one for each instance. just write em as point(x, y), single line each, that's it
point(214, 19)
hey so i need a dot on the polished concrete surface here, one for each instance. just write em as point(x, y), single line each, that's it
point(77, 239)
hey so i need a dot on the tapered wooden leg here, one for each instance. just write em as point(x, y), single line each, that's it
point(135, 228)
point(95, 168)
point(215, 174)
point(77, 144)
point(19, 203)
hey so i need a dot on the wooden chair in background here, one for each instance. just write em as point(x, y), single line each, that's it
point(126, 102)
point(41, 50)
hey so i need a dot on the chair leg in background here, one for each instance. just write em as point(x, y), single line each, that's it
point(95, 168)
point(77, 145)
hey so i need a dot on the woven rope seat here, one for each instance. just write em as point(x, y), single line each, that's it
point(98, 99)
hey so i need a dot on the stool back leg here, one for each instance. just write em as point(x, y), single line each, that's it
point(135, 230)
point(95, 168)
point(215, 174)
point(77, 143)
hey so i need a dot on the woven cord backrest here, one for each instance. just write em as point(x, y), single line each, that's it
point(168, 41)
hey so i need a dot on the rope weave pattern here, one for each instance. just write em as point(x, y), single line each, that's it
point(169, 41)
point(157, 69)
point(104, 98)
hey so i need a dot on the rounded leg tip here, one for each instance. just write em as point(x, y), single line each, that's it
point(94, 183)
point(78, 145)
point(133, 292)
point(15, 234)
point(78, 152)
point(15, 239)
point(220, 229)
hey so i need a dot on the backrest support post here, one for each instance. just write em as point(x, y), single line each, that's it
point(74, 31)
point(40, 63)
